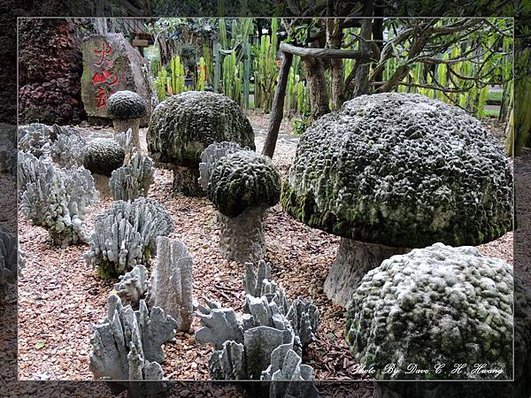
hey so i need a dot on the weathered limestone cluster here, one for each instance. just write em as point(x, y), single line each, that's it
point(125, 235)
point(242, 185)
point(126, 108)
point(133, 286)
point(133, 179)
point(171, 282)
point(8, 261)
point(182, 126)
point(127, 345)
point(103, 155)
point(434, 305)
point(396, 171)
point(261, 344)
point(55, 198)
point(35, 138)
point(68, 148)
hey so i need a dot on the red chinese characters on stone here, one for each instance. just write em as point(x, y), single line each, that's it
point(104, 79)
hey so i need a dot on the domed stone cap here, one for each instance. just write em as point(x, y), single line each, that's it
point(401, 170)
point(434, 305)
point(103, 156)
point(182, 126)
point(124, 105)
point(243, 180)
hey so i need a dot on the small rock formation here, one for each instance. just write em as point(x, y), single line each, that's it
point(68, 149)
point(35, 139)
point(110, 65)
point(242, 185)
point(133, 179)
point(102, 156)
point(133, 286)
point(126, 108)
point(171, 282)
point(183, 125)
point(126, 346)
point(394, 171)
point(56, 199)
point(262, 343)
point(8, 261)
point(210, 156)
point(125, 235)
point(434, 305)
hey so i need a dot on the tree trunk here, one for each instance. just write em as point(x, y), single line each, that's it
point(334, 35)
point(354, 259)
point(315, 76)
point(277, 110)
point(361, 79)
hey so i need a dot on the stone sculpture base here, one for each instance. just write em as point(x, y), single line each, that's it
point(242, 237)
point(185, 181)
point(121, 126)
point(354, 259)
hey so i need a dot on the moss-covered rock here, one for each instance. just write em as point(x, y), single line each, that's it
point(438, 305)
point(103, 155)
point(182, 126)
point(126, 105)
point(243, 180)
point(401, 170)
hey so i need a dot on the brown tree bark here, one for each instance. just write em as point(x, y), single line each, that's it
point(315, 76)
point(277, 109)
point(334, 37)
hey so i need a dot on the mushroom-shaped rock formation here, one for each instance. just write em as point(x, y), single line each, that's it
point(126, 108)
point(182, 126)
point(437, 305)
point(393, 171)
point(242, 186)
point(103, 156)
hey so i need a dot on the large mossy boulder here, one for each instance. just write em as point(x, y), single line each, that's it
point(182, 126)
point(395, 171)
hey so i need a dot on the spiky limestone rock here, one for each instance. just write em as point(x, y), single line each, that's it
point(210, 157)
point(262, 343)
point(126, 108)
point(126, 346)
point(171, 282)
point(182, 126)
point(133, 286)
point(68, 149)
point(132, 180)
point(393, 171)
point(35, 139)
point(56, 199)
point(434, 305)
point(242, 186)
point(125, 235)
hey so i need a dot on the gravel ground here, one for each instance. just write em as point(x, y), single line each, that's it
point(60, 297)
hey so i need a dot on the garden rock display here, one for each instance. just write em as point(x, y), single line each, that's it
point(260, 344)
point(434, 305)
point(56, 199)
point(35, 139)
point(171, 282)
point(127, 345)
point(242, 186)
point(68, 148)
point(110, 65)
point(210, 157)
point(125, 235)
point(8, 261)
point(132, 180)
point(394, 171)
point(133, 286)
point(183, 125)
point(103, 156)
point(126, 108)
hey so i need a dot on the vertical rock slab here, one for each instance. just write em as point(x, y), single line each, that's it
point(171, 282)
point(111, 64)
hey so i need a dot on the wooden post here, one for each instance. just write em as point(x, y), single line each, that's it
point(277, 110)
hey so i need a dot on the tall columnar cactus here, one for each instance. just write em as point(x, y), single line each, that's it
point(184, 125)
point(56, 199)
point(125, 235)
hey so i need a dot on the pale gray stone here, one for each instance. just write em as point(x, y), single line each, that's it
point(133, 179)
point(219, 326)
point(171, 281)
point(133, 285)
